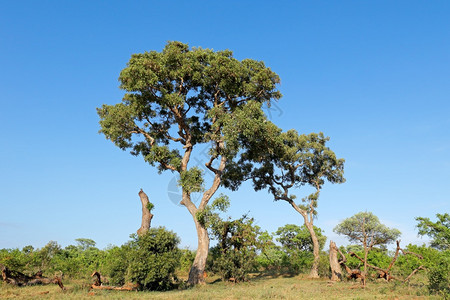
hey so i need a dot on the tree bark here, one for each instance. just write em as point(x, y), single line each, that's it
point(366, 253)
point(315, 267)
point(309, 224)
point(196, 273)
point(146, 214)
point(336, 271)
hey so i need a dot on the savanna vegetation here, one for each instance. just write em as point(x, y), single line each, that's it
point(182, 99)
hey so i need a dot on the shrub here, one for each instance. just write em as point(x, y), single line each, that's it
point(115, 264)
point(235, 254)
point(186, 259)
point(439, 276)
point(153, 259)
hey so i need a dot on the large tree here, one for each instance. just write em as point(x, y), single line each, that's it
point(365, 228)
point(283, 162)
point(183, 99)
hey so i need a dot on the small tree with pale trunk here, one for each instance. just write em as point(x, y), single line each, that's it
point(365, 228)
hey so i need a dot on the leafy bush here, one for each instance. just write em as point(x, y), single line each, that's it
point(439, 276)
point(235, 254)
point(271, 258)
point(115, 264)
point(407, 263)
point(186, 259)
point(153, 259)
point(297, 246)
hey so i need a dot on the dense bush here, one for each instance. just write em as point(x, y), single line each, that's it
point(297, 245)
point(439, 276)
point(153, 259)
point(115, 264)
point(186, 259)
point(271, 258)
point(407, 263)
point(234, 256)
point(149, 260)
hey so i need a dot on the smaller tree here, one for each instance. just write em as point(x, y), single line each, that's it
point(234, 256)
point(438, 231)
point(294, 237)
point(365, 228)
point(153, 259)
point(84, 244)
point(282, 162)
point(298, 246)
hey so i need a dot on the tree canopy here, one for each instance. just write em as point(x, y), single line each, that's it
point(365, 227)
point(439, 231)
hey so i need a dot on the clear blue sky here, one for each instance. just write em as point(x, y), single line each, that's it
point(374, 76)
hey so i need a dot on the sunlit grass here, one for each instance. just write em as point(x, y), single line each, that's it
point(266, 287)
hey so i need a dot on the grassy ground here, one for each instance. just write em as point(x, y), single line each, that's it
point(298, 287)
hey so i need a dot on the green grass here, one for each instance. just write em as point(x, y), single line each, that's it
point(298, 287)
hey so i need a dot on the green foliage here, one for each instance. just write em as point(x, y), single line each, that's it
point(85, 244)
point(181, 97)
point(379, 257)
point(153, 259)
point(192, 180)
point(115, 264)
point(365, 227)
point(236, 250)
point(439, 276)
point(297, 238)
point(150, 206)
point(297, 247)
point(276, 160)
point(149, 260)
point(271, 258)
point(15, 259)
point(439, 231)
point(210, 214)
point(184, 96)
point(186, 259)
point(72, 261)
point(405, 264)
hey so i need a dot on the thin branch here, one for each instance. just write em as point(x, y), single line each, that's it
point(414, 272)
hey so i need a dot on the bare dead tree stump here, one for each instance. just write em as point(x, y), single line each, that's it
point(336, 271)
point(146, 214)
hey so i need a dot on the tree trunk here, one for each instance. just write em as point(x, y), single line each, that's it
point(366, 252)
point(309, 224)
point(146, 214)
point(196, 274)
point(315, 267)
point(336, 272)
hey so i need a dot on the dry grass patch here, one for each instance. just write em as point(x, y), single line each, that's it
point(298, 287)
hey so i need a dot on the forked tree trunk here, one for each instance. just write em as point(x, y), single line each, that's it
point(315, 267)
point(196, 274)
point(146, 214)
point(336, 271)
